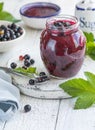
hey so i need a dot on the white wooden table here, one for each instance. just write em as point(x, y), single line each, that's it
point(45, 114)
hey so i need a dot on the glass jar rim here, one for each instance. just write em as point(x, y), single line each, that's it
point(72, 18)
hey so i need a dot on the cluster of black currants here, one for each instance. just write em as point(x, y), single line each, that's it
point(10, 32)
point(61, 24)
point(40, 79)
point(26, 59)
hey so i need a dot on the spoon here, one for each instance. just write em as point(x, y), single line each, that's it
point(29, 75)
point(12, 71)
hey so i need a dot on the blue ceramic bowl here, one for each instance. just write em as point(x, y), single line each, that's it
point(35, 14)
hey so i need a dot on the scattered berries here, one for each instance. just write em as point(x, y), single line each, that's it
point(31, 81)
point(27, 108)
point(42, 74)
point(39, 80)
point(24, 67)
point(32, 61)
point(21, 58)
point(27, 57)
point(26, 63)
point(13, 65)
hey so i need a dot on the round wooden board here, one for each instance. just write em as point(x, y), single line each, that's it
point(50, 89)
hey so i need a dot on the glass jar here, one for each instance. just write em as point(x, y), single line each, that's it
point(62, 46)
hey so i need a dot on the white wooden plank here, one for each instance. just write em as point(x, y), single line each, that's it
point(10, 6)
point(2, 124)
point(44, 112)
point(70, 119)
point(41, 117)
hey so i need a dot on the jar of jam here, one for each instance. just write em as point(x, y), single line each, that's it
point(62, 46)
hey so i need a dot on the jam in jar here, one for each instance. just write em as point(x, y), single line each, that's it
point(62, 46)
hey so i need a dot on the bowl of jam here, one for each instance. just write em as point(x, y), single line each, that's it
point(62, 46)
point(35, 14)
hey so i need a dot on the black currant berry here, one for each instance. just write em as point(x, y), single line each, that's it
point(26, 63)
point(24, 67)
point(40, 79)
point(13, 26)
point(57, 24)
point(27, 57)
point(32, 61)
point(13, 65)
point(42, 74)
point(27, 108)
point(31, 81)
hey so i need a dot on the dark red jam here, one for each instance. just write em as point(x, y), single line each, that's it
point(62, 47)
point(39, 11)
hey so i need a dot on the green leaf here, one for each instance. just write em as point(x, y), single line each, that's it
point(76, 87)
point(90, 49)
point(85, 101)
point(1, 6)
point(8, 17)
point(90, 45)
point(31, 70)
point(89, 37)
point(91, 78)
point(27, 71)
point(21, 70)
point(83, 89)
